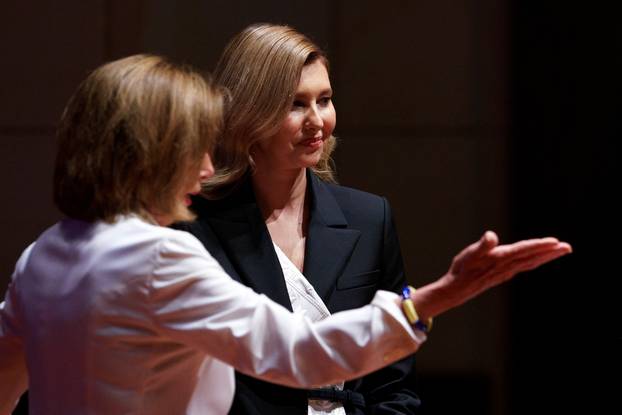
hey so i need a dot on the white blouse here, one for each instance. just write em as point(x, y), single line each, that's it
point(130, 317)
point(306, 301)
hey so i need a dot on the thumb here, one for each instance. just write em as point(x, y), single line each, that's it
point(477, 249)
point(487, 242)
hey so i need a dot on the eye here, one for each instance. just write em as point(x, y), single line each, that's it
point(298, 104)
point(324, 101)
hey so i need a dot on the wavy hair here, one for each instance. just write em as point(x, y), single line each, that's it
point(261, 68)
point(130, 137)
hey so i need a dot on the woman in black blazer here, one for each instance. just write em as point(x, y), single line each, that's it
point(274, 186)
point(351, 251)
point(274, 219)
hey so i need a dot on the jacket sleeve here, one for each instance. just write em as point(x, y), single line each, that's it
point(193, 301)
point(391, 390)
point(13, 371)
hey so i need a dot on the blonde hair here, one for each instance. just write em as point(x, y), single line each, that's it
point(131, 136)
point(260, 67)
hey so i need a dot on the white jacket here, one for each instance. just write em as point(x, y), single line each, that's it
point(135, 318)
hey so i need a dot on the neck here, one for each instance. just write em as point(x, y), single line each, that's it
point(278, 191)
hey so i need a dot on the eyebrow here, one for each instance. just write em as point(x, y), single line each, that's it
point(324, 92)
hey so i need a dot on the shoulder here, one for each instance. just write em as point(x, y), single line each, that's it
point(357, 203)
point(164, 239)
point(131, 238)
point(22, 262)
point(126, 232)
point(156, 251)
point(241, 197)
point(24, 259)
point(352, 195)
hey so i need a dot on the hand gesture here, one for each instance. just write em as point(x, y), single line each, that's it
point(483, 265)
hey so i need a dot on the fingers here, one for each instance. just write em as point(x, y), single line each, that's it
point(529, 248)
point(533, 261)
point(486, 251)
point(526, 247)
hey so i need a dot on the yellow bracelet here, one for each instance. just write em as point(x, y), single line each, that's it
point(411, 314)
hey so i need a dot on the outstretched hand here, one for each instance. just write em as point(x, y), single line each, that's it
point(485, 263)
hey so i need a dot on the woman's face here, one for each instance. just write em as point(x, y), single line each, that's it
point(191, 187)
point(309, 123)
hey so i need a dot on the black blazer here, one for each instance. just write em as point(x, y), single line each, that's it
point(351, 251)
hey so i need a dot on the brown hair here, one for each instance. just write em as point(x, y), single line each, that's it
point(130, 136)
point(260, 67)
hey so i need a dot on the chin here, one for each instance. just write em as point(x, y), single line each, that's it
point(181, 213)
point(311, 160)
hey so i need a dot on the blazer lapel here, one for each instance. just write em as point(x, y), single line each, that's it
point(329, 240)
point(245, 238)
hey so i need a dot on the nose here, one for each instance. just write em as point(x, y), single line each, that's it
point(207, 168)
point(314, 118)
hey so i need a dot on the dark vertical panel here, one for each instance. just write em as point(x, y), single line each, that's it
point(565, 322)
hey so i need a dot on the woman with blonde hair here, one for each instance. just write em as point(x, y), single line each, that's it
point(274, 219)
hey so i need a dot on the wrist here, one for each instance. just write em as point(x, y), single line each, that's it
point(414, 318)
point(432, 299)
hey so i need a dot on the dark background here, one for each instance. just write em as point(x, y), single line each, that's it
point(468, 115)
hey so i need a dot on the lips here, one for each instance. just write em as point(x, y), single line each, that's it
point(188, 198)
point(312, 142)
